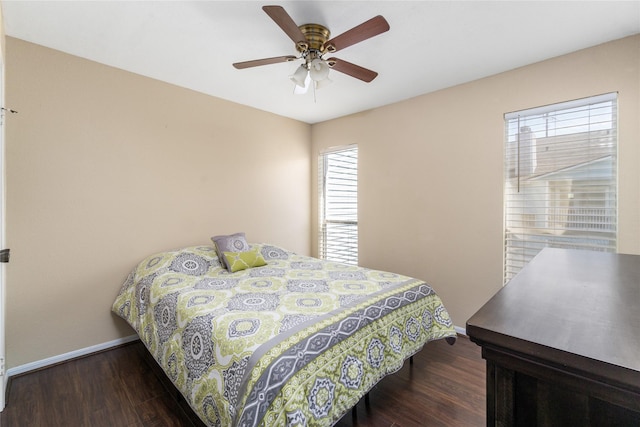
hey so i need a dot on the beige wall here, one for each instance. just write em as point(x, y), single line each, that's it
point(431, 169)
point(105, 167)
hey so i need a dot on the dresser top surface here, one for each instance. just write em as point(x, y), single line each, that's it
point(574, 306)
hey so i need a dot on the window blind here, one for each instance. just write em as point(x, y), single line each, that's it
point(560, 186)
point(338, 181)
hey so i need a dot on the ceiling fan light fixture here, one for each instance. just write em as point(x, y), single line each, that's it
point(318, 69)
point(313, 41)
point(299, 76)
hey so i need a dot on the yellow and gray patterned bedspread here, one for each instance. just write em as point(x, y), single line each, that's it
point(296, 342)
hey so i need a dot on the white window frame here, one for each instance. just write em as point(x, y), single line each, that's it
point(338, 217)
point(560, 183)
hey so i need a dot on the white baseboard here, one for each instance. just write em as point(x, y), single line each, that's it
point(460, 330)
point(39, 364)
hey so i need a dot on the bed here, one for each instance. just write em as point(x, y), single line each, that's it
point(296, 341)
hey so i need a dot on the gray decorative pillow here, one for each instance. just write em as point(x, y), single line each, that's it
point(231, 243)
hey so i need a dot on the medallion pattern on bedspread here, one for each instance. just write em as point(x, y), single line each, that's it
point(296, 342)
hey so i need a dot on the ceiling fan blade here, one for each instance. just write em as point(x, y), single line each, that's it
point(352, 69)
point(265, 61)
point(366, 30)
point(284, 21)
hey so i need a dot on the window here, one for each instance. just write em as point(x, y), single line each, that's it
point(338, 181)
point(560, 179)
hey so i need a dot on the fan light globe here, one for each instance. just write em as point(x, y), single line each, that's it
point(318, 69)
point(301, 90)
point(299, 76)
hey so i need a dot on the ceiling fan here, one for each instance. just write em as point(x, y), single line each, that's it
point(313, 42)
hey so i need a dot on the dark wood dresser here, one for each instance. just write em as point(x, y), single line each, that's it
point(562, 342)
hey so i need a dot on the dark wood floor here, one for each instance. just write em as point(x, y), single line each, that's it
point(444, 387)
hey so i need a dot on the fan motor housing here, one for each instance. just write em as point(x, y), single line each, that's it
point(316, 35)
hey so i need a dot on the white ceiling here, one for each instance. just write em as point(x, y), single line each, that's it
point(431, 44)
